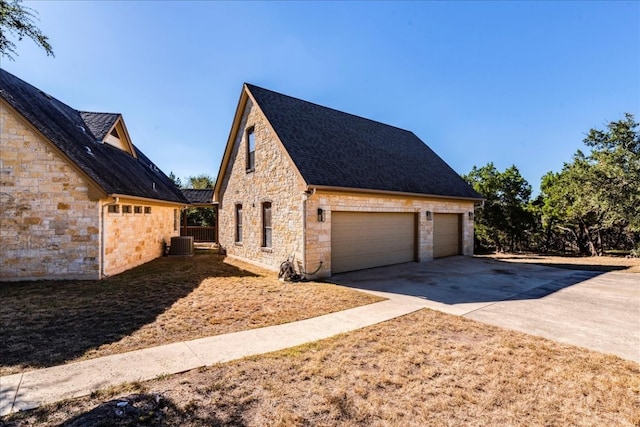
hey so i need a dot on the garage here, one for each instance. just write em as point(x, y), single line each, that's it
point(362, 240)
point(447, 234)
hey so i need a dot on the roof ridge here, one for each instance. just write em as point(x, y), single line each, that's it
point(328, 108)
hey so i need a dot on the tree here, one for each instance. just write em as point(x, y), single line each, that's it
point(18, 21)
point(595, 199)
point(175, 179)
point(201, 182)
point(505, 219)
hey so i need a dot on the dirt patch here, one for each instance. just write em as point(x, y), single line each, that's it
point(426, 368)
point(596, 263)
point(167, 300)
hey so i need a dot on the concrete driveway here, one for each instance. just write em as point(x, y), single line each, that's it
point(596, 310)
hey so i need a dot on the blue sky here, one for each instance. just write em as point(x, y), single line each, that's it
point(505, 82)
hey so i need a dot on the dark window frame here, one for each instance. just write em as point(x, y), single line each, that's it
point(251, 149)
point(267, 225)
point(238, 215)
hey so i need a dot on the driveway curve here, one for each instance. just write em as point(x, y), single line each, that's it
point(591, 309)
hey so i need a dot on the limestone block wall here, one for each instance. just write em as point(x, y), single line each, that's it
point(135, 237)
point(318, 234)
point(273, 180)
point(49, 228)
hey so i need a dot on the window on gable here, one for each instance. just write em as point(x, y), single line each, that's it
point(115, 134)
point(266, 225)
point(251, 150)
point(238, 223)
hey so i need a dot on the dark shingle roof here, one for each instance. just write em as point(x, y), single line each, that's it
point(198, 196)
point(99, 123)
point(114, 170)
point(332, 148)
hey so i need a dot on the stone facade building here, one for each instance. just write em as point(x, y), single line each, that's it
point(334, 191)
point(77, 199)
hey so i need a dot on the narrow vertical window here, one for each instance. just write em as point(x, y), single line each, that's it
point(175, 219)
point(266, 225)
point(238, 223)
point(251, 150)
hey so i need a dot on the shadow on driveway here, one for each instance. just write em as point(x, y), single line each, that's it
point(461, 280)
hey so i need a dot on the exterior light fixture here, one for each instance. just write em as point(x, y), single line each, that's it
point(470, 216)
point(320, 215)
point(429, 215)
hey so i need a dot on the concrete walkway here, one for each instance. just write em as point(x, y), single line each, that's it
point(31, 389)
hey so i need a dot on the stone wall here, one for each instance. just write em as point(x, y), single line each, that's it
point(296, 230)
point(133, 238)
point(318, 235)
point(49, 229)
point(273, 180)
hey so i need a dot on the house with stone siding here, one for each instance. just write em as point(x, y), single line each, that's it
point(334, 191)
point(78, 200)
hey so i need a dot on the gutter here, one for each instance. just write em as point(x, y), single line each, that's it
point(146, 199)
point(389, 192)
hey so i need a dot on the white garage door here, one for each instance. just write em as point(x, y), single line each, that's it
point(446, 235)
point(371, 239)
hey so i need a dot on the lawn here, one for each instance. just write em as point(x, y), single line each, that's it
point(167, 300)
point(426, 368)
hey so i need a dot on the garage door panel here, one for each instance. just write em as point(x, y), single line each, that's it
point(446, 234)
point(366, 239)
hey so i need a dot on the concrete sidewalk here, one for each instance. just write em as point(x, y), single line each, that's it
point(31, 389)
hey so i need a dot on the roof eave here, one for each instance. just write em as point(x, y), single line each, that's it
point(148, 199)
point(389, 192)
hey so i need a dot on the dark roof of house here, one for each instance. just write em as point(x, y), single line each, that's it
point(198, 196)
point(337, 149)
point(79, 137)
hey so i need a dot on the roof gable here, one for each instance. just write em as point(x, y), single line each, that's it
point(336, 149)
point(110, 129)
point(77, 136)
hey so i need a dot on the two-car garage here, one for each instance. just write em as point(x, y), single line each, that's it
point(362, 240)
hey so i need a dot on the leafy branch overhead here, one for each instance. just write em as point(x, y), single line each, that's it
point(17, 21)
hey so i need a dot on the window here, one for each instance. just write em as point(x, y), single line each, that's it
point(266, 225)
point(126, 208)
point(176, 218)
point(113, 208)
point(238, 223)
point(137, 209)
point(147, 209)
point(251, 150)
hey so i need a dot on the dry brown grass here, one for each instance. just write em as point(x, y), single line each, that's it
point(167, 300)
point(598, 263)
point(426, 368)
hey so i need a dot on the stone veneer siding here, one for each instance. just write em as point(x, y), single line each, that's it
point(48, 226)
point(273, 180)
point(133, 238)
point(318, 236)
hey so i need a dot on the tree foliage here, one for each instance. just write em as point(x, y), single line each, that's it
point(17, 21)
point(504, 221)
point(595, 199)
point(592, 205)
